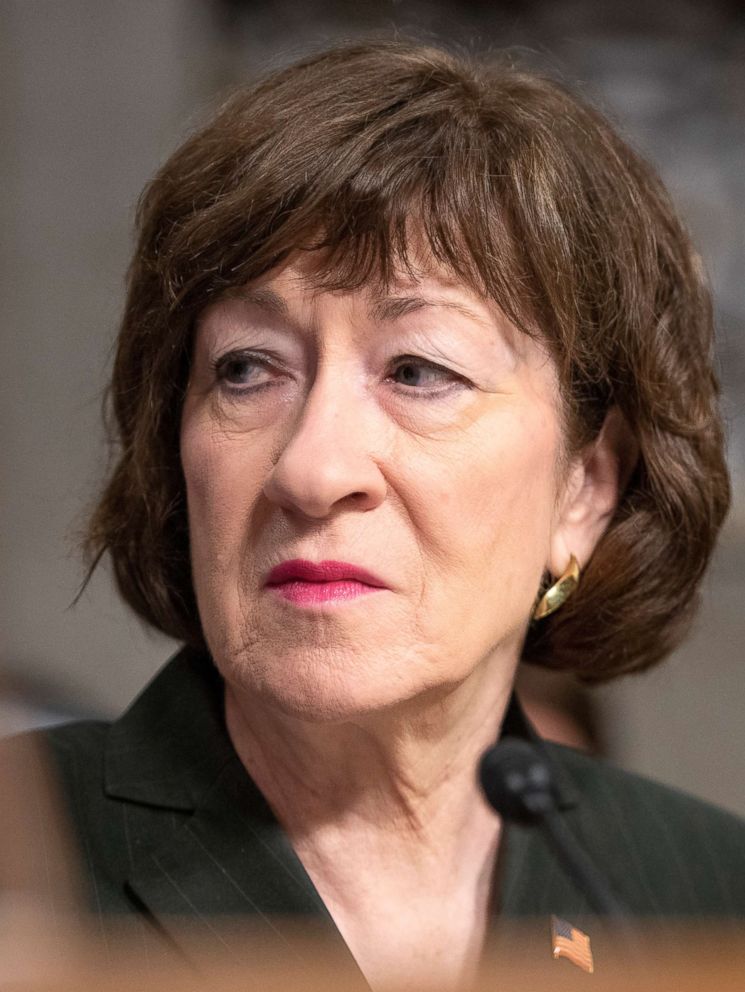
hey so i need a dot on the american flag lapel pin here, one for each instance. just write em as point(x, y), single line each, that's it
point(569, 942)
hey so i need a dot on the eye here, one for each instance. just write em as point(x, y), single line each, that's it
point(424, 376)
point(245, 371)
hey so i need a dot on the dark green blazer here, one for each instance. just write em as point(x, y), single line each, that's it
point(170, 825)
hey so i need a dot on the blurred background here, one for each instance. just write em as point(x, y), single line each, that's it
point(94, 96)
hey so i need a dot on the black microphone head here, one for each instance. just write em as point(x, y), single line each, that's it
point(517, 780)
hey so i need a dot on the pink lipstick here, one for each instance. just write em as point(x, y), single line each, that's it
point(307, 583)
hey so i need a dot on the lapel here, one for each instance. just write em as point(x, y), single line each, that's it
point(226, 856)
point(530, 881)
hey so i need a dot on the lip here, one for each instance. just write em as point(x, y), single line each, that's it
point(300, 570)
point(325, 583)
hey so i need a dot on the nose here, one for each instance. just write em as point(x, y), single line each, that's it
point(328, 460)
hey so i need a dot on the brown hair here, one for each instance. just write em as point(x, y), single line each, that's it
point(525, 193)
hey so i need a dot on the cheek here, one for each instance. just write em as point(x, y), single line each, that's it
point(221, 487)
point(490, 506)
point(224, 474)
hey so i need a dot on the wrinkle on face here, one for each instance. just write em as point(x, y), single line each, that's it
point(461, 522)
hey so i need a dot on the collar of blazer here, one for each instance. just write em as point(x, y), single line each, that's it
point(227, 855)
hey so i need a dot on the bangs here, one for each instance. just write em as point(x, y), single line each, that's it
point(413, 188)
point(402, 233)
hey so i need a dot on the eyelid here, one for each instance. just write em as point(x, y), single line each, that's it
point(430, 362)
point(456, 378)
point(258, 355)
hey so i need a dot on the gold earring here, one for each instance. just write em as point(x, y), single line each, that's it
point(559, 592)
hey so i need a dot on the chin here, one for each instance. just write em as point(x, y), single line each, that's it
point(318, 691)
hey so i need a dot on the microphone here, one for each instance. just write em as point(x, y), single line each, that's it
point(518, 782)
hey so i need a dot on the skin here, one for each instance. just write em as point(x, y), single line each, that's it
point(447, 475)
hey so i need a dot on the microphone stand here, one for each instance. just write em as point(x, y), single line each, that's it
point(518, 783)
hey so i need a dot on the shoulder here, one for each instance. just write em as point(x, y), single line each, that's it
point(125, 786)
point(108, 834)
point(61, 770)
point(669, 852)
point(73, 753)
point(76, 754)
point(644, 801)
point(70, 743)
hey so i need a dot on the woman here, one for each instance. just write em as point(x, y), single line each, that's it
point(414, 381)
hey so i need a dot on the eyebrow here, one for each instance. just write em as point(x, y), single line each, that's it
point(393, 307)
point(265, 299)
point(388, 308)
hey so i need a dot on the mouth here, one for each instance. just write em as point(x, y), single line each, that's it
point(307, 583)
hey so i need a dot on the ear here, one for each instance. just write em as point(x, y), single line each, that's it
point(595, 482)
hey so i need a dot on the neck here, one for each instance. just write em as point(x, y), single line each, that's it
point(408, 774)
point(385, 810)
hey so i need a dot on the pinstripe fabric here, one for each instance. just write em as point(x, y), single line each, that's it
point(171, 826)
point(664, 854)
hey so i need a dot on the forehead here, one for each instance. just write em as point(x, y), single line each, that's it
point(306, 280)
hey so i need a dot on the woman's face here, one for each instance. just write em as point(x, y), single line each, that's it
point(414, 434)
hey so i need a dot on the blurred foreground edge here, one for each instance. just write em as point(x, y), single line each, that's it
point(48, 944)
point(681, 958)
